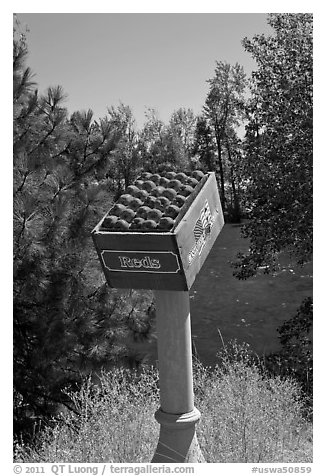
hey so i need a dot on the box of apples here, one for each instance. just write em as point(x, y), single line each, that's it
point(159, 232)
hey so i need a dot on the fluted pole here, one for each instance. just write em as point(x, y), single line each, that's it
point(177, 414)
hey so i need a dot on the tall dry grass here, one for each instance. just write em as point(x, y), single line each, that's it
point(246, 417)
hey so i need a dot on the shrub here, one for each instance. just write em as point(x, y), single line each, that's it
point(295, 359)
point(113, 422)
point(246, 417)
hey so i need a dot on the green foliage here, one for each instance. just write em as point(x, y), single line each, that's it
point(278, 145)
point(152, 143)
point(296, 356)
point(246, 417)
point(222, 111)
point(180, 134)
point(66, 321)
point(112, 421)
point(167, 146)
point(216, 146)
point(125, 158)
point(204, 148)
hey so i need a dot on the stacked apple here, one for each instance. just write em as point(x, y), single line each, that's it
point(153, 202)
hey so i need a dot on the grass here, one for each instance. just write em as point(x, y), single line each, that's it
point(249, 417)
point(246, 417)
point(247, 310)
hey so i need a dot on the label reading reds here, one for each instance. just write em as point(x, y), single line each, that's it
point(141, 261)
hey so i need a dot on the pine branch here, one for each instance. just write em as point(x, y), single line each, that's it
point(42, 140)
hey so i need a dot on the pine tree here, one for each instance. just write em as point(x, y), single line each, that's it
point(66, 320)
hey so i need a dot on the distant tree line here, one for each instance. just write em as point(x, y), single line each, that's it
point(68, 170)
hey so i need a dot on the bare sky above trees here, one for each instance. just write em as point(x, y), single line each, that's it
point(142, 59)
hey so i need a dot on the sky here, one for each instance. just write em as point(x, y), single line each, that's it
point(160, 61)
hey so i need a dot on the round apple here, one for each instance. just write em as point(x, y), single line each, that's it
point(163, 181)
point(164, 201)
point(143, 211)
point(142, 195)
point(181, 176)
point(186, 190)
point(150, 201)
point(149, 225)
point(157, 192)
point(175, 184)
point(145, 175)
point(132, 189)
point(155, 215)
point(149, 185)
point(192, 182)
point(172, 211)
point(159, 205)
point(139, 183)
point(122, 225)
point(169, 193)
point(166, 223)
point(179, 200)
point(117, 209)
point(125, 199)
point(155, 178)
point(109, 222)
point(135, 203)
point(128, 215)
point(136, 223)
point(170, 175)
point(198, 174)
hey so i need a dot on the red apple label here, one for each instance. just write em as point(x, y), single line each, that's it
point(202, 231)
point(141, 261)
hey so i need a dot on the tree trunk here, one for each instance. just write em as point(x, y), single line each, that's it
point(221, 170)
point(236, 207)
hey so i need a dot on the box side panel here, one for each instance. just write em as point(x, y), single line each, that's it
point(154, 281)
point(134, 241)
point(199, 228)
point(98, 250)
point(140, 260)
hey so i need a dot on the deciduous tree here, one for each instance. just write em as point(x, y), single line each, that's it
point(167, 145)
point(223, 109)
point(204, 148)
point(278, 145)
point(125, 159)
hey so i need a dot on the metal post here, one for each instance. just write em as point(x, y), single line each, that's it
point(177, 414)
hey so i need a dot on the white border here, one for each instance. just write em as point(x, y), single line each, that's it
point(140, 271)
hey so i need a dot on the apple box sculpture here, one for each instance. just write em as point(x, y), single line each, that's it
point(157, 236)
